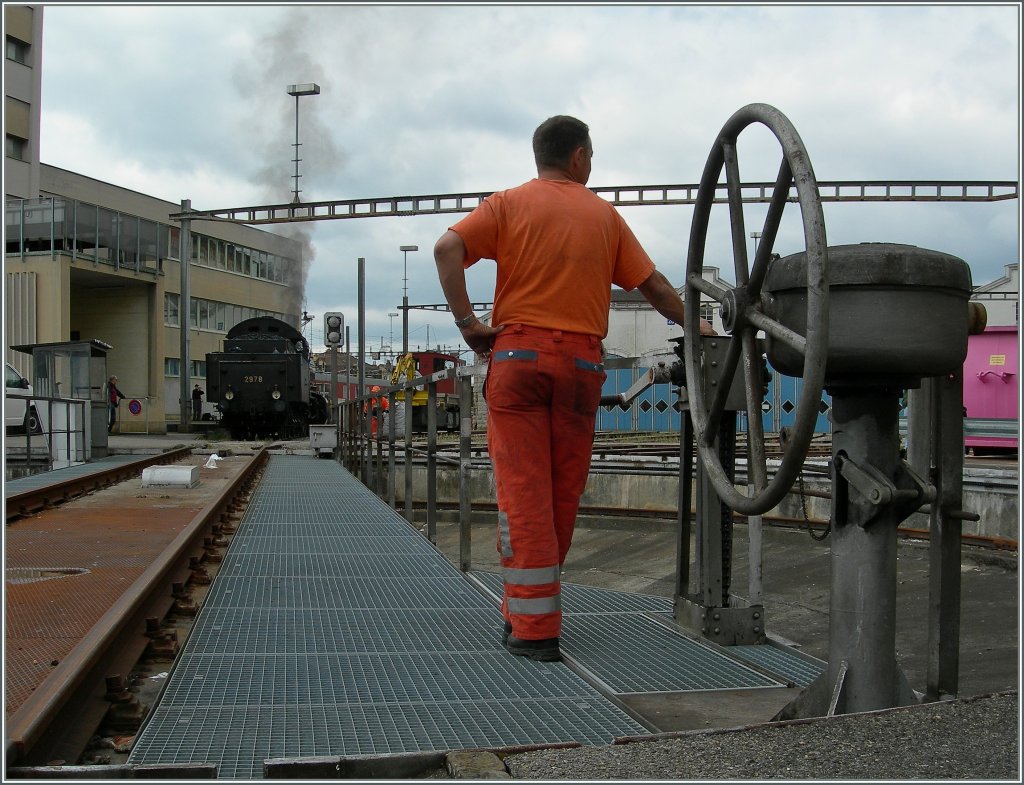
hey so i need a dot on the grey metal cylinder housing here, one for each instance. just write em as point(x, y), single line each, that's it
point(897, 313)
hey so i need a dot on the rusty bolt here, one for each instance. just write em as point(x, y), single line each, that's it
point(183, 607)
point(125, 716)
point(166, 647)
point(117, 692)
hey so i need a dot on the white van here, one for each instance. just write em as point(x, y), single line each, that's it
point(19, 413)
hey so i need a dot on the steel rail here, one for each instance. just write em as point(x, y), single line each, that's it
point(19, 505)
point(784, 521)
point(74, 688)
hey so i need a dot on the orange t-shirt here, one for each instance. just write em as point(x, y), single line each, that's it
point(559, 248)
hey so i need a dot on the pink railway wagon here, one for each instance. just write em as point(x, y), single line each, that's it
point(991, 391)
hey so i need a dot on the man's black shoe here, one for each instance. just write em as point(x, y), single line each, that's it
point(545, 650)
point(506, 631)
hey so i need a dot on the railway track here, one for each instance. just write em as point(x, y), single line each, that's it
point(85, 689)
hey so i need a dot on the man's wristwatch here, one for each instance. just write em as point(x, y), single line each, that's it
point(460, 323)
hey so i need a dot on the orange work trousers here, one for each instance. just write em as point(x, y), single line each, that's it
point(543, 389)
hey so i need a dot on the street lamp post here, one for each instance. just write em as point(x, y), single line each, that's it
point(297, 90)
point(755, 236)
point(405, 294)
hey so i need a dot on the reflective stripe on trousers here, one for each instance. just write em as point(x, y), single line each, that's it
point(543, 388)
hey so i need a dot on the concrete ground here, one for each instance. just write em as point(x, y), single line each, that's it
point(638, 555)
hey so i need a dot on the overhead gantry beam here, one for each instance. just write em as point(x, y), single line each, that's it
point(620, 196)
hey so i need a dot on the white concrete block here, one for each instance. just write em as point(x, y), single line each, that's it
point(176, 476)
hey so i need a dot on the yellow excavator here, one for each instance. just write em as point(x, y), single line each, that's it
point(405, 370)
point(447, 402)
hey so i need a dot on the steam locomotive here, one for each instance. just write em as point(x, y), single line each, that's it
point(260, 382)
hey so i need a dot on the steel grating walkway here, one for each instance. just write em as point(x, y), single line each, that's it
point(335, 628)
point(43, 479)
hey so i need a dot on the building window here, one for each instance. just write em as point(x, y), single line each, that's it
point(707, 311)
point(17, 147)
point(199, 369)
point(17, 50)
point(172, 366)
point(171, 304)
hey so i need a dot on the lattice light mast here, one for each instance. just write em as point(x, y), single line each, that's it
point(299, 90)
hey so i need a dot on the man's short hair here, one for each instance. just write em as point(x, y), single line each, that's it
point(557, 137)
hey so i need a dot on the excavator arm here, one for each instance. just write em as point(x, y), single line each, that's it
point(405, 371)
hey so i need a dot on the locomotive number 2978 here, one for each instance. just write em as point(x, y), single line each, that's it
point(252, 379)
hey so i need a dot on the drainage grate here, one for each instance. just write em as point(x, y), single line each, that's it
point(246, 736)
point(334, 528)
point(366, 565)
point(321, 510)
point(802, 670)
point(671, 662)
point(359, 631)
point(231, 680)
point(303, 592)
point(334, 628)
point(282, 543)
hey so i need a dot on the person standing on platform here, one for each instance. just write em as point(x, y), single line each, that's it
point(197, 403)
point(559, 249)
point(115, 396)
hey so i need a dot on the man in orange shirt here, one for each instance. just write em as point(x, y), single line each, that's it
point(559, 248)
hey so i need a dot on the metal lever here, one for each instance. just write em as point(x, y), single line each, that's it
point(878, 491)
point(658, 375)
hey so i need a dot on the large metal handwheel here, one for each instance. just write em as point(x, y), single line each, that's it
point(742, 312)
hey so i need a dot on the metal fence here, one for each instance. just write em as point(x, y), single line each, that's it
point(61, 439)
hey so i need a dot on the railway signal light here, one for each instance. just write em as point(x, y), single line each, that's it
point(334, 326)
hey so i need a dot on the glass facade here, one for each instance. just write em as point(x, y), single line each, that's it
point(210, 314)
point(86, 231)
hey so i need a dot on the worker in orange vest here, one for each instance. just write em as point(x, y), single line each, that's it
point(559, 249)
point(372, 407)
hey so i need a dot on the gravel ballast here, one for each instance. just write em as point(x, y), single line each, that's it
point(973, 738)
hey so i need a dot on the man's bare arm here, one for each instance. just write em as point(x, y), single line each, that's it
point(449, 253)
point(666, 300)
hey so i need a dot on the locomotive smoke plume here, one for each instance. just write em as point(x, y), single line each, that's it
point(286, 56)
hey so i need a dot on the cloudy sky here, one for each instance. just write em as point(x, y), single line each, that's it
point(189, 102)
